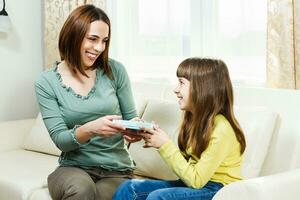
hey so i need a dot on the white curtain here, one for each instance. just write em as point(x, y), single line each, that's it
point(152, 37)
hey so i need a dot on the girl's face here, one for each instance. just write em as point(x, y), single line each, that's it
point(94, 43)
point(182, 92)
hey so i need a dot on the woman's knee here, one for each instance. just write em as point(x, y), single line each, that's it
point(81, 190)
point(76, 190)
point(106, 187)
point(71, 183)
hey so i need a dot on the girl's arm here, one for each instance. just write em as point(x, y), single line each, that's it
point(194, 172)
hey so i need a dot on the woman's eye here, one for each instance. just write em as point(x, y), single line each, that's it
point(92, 39)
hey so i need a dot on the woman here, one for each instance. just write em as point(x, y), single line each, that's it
point(78, 98)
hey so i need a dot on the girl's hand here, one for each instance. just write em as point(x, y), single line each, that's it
point(104, 126)
point(155, 137)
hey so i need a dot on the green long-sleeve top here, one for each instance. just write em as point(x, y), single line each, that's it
point(62, 110)
point(220, 162)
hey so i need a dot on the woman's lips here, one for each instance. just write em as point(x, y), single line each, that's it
point(91, 56)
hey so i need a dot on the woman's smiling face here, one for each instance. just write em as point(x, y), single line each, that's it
point(94, 43)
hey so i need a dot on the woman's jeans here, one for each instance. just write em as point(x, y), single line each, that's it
point(136, 189)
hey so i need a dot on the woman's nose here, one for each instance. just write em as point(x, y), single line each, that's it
point(99, 47)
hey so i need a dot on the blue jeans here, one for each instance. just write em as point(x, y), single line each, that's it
point(136, 189)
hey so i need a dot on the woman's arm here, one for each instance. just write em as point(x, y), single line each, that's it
point(69, 139)
point(125, 98)
point(123, 90)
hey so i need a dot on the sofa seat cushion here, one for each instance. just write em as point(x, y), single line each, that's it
point(39, 194)
point(23, 172)
point(257, 123)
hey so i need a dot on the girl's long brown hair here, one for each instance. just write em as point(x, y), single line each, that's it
point(211, 93)
point(73, 33)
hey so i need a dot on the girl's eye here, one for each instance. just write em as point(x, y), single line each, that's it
point(92, 39)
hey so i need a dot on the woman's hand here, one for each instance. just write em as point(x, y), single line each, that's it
point(132, 135)
point(155, 137)
point(104, 126)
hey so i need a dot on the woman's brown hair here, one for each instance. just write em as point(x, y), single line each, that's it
point(73, 33)
point(211, 93)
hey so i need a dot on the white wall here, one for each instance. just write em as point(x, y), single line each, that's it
point(20, 59)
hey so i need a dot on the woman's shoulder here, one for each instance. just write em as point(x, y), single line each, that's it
point(46, 76)
point(116, 66)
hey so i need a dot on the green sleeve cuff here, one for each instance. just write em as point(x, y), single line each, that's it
point(66, 141)
point(74, 136)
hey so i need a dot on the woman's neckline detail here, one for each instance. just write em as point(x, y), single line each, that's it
point(70, 89)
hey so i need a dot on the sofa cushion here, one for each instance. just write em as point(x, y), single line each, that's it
point(142, 91)
point(23, 172)
point(38, 139)
point(140, 103)
point(257, 123)
point(42, 193)
point(148, 162)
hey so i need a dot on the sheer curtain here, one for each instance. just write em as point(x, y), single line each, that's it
point(152, 37)
point(283, 44)
point(55, 14)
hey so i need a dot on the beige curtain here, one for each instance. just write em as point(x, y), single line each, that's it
point(283, 44)
point(55, 14)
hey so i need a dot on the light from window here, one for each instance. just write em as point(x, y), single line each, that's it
point(152, 37)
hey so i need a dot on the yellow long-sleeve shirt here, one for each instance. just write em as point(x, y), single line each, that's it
point(220, 162)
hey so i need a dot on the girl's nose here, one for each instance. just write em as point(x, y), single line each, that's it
point(176, 90)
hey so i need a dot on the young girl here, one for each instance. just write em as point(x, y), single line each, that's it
point(211, 142)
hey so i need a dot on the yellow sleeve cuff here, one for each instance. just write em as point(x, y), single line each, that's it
point(168, 149)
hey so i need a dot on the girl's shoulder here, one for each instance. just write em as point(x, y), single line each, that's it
point(222, 126)
point(220, 119)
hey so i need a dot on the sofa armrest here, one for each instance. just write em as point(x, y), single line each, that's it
point(12, 133)
point(276, 187)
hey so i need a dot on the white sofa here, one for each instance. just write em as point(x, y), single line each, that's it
point(270, 119)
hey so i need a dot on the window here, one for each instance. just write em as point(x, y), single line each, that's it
point(152, 37)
